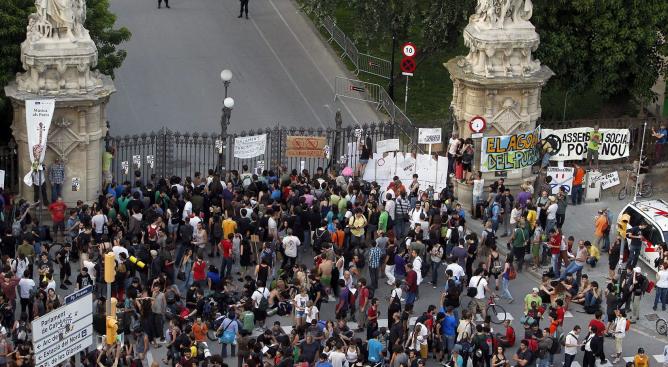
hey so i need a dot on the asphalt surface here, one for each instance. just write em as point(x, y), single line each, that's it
point(283, 72)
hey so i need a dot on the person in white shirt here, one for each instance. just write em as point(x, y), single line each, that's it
point(258, 294)
point(337, 357)
point(551, 214)
point(457, 271)
point(619, 334)
point(479, 303)
point(453, 147)
point(300, 301)
point(661, 288)
point(417, 266)
point(665, 356)
point(312, 312)
point(26, 286)
point(290, 244)
point(117, 250)
point(187, 208)
point(571, 346)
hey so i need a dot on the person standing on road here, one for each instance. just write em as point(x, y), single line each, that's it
point(375, 256)
point(518, 241)
point(619, 334)
point(571, 346)
point(577, 189)
point(478, 301)
point(551, 213)
point(635, 235)
point(662, 140)
point(600, 225)
point(661, 287)
point(244, 6)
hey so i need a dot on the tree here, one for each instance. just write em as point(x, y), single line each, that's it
point(443, 23)
point(100, 23)
point(319, 8)
point(14, 20)
point(613, 47)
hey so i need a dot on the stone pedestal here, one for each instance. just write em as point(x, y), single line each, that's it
point(498, 80)
point(59, 58)
point(76, 136)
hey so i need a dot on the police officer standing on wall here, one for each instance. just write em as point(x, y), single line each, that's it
point(244, 5)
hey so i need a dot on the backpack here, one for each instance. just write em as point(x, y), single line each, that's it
point(556, 343)
point(533, 345)
point(628, 325)
point(264, 303)
point(217, 230)
point(246, 181)
point(248, 321)
point(490, 239)
point(647, 285)
point(21, 333)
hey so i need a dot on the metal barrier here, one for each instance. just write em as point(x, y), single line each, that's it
point(357, 89)
point(362, 62)
point(374, 65)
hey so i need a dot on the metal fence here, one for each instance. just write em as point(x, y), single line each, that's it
point(362, 62)
point(9, 164)
point(184, 154)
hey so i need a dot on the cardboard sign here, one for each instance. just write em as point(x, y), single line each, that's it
point(429, 136)
point(305, 146)
point(608, 180)
point(561, 177)
point(509, 152)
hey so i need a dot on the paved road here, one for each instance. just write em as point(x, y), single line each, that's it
point(283, 72)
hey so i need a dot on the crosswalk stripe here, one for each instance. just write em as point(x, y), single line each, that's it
point(568, 314)
point(658, 357)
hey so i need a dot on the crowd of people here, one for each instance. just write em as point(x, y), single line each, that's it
point(208, 259)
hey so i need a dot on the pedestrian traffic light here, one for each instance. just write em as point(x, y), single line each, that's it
point(622, 225)
point(109, 267)
point(112, 327)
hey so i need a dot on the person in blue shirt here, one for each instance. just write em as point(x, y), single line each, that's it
point(662, 138)
point(375, 348)
point(496, 211)
point(322, 361)
point(230, 325)
point(449, 329)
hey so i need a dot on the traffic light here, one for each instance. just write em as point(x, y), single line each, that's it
point(112, 327)
point(109, 267)
point(622, 225)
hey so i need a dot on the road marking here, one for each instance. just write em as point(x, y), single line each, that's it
point(505, 316)
point(308, 54)
point(575, 364)
point(568, 314)
point(382, 323)
point(292, 80)
point(658, 357)
point(628, 359)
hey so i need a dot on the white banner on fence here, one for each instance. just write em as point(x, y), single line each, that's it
point(38, 121)
point(389, 145)
point(561, 177)
point(431, 172)
point(429, 135)
point(572, 143)
point(2, 179)
point(250, 146)
point(608, 180)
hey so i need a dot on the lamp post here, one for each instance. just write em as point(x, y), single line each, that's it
point(228, 103)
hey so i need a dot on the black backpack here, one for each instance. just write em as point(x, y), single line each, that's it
point(490, 239)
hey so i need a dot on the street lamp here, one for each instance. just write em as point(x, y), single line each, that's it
point(226, 76)
point(228, 103)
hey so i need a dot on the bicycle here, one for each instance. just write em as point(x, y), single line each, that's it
point(662, 326)
point(644, 191)
point(495, 311)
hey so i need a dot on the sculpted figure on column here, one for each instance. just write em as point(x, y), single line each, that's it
point(500, 13)
point(63, 18)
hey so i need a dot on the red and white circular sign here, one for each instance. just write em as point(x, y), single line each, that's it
point(409, 49)
point(477, 124)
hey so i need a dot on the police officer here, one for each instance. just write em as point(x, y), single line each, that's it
point(166, 3)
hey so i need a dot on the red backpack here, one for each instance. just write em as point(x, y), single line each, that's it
point(533, 345)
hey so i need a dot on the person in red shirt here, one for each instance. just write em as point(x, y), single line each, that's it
point(372, 318)
point(555, 250)
point(199, 271)
point(363, 298)
point(506, 340)
point(411, 287)
point(225, 246)
point(598, 323)
point(57, 210)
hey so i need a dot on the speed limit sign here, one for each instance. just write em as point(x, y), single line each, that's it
point(409, 49)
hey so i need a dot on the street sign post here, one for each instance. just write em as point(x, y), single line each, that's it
point(408, 49)
point(65, 331)
point(408, 66)
point(429, 136)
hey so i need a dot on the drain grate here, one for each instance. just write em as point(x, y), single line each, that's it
point(652, 317)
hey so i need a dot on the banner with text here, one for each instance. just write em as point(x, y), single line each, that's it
point(561, 178)
point(38, 121)
point(389, 145)
point(608, 180)
point(508, 152)
point(431, 172)
point(571, 144)
point(250, 146)
point(306, 146)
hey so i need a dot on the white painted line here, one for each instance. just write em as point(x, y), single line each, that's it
point(608, 364)
point(478, 318)
point(508, 316)
point(287, 73)
point(352, 325)
point(568, 314)
point(575, 364)
point(628, 359)
point(658, 357)
point(412, 321)
point(382, 323)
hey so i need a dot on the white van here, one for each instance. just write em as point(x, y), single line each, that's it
point(655, 214)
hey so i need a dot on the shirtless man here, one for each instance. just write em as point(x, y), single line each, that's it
point(325, 271)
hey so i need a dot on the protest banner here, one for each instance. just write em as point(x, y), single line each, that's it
point(608, 180)
point(571, 144)
point(305, 146)
point(561, 177)
point(250, 146)
point(38, 121)
point(389, 145)
point(508, 152)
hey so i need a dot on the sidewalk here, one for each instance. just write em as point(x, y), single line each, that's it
point(580, 224)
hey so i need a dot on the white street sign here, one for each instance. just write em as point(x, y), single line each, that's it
point(65, 331)
point(429, 136)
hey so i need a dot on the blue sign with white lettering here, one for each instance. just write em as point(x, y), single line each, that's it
point(78, 294)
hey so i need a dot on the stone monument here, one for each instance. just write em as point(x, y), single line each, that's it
point(58, 55)
point(498, 80)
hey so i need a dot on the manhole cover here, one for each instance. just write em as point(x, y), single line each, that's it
point(652, 317)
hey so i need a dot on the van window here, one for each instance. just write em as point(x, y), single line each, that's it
point(653, 235)
point(636, 217)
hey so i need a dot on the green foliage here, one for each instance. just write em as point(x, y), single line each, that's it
point(319, 8)
point(13, 21)
point(100, 23)
point(443, 22)
point(612, 47)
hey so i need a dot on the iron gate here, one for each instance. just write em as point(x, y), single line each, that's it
point(167, 153)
